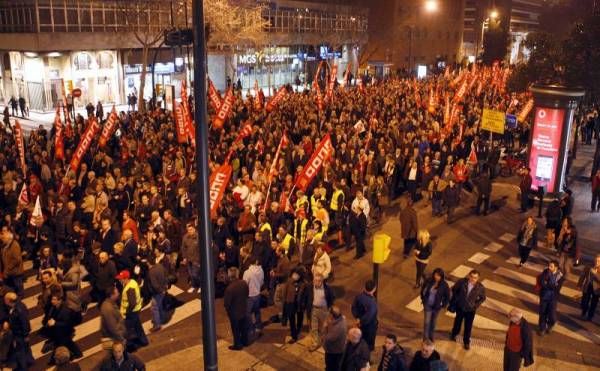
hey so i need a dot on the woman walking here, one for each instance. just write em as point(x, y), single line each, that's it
point(435, 296)
point(527, 239)
point(567, 245)
point(422, 253)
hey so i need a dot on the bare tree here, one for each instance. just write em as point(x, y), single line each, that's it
point(143, 18)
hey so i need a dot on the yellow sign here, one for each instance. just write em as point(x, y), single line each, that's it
point(493, 121)
point(381, 247)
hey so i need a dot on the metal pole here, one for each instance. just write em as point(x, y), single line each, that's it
point(209, 331)
point(410, 35)
point(376, 278)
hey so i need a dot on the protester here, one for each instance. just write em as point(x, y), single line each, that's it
point(293, 303)
point(519, 343)
point(364, 309)
point(356, 355)
point(112, 324)
point(318, 300)
point(392, 358)
point(525, 188)
point(435, 296)
point(568, 249)
point(527, 239)
point(467, 295)
point(483, 184)
point(254, 277)
point(236, 305)
point(121, 359)
point(423, 251)
point(425, 357)
point(550, 282)
point(18, 323)
point(334, 338)
point(62, 358)
point(589, 283)
point(12, 261)
point(410, 226)
point(131, 305)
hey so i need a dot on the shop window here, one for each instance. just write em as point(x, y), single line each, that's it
point(105, 60)
point(82, 61)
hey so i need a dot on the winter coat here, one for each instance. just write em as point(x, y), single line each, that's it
point(112, 324)
point(236, 299)
point(356, 356)
point(451, 196)
point(409, 223)
point(550, 290)
point(12, 260)
point(471, 301)
point(530, 243)
point(396, 361)
point(334, 336)
point(527, 341)
point(442, 296)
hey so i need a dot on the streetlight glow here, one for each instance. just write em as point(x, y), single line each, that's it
point(494, 14)
point(431, 6)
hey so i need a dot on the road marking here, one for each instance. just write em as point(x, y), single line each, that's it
point(32, 300)
point(526, 296)
point(530, 280)
point(478, 258)
point(539, 268)
point(508, 237)
point(493, 247)
point(461, 271)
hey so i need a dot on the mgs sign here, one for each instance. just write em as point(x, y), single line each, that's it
point(260, 57)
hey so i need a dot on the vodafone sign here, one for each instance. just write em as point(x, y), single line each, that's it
point(545, 147)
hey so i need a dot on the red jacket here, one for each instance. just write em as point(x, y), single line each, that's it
point(596, 183)
point(461, 173)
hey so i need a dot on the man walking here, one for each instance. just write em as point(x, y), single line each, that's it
point(112, 325)
point(235, 300)
point(18, 323)
point(254, 277)
point(550, 282)
point(468, 295)
point(364, 309)
point(12, 261)
point(484, 191)
point(191, 256)
point(525, 188)
point(157, 277)
point(410, 227)
point(596, 192)
point(319, 298)
point(589, 283)
point(334, 338)
point(451, 199)
point(131, 305)
point(358, 228)
point(392, 358)
point(519, 343)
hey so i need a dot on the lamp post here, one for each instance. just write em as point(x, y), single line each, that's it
point(492, 16)
point(209, 329)
point(430, 6)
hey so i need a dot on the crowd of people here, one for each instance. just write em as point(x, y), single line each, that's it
point(124, 221)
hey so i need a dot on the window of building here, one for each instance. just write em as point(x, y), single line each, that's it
point(105, 60)
point(82, 61)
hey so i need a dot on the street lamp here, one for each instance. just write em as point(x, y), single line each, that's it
point(431, 6)
point(493, 15)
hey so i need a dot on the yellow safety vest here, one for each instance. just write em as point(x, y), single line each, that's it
point(319, 236)
point(286, 242)
point(302, 230)
point(266, 227)
point(125, 301)
point(334, 200)
point(313, 204)
point(300, 202)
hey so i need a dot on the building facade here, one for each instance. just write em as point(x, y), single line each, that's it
point(92, 46)
point(522, 16)
point(404, 34)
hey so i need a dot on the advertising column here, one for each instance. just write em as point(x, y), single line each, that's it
point(548, 150)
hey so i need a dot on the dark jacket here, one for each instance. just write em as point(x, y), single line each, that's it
point(104, 275)
point(468, 302)
point(484, 185)
point(18, 320)
point(424, 252)
point(356, 356)
point(423, 364)
point(549, 288)
point(130, 363)
point(334, 336)
point(309, 293)
point(236, 299)
point(531, 243)
point(588, 277)
point(358, 225)
point(527, 341)
point(364, 308)
point(112, 324)
point(108, 242)
point(395, 362)
point(409, 222)
point(158, 279)
point(451, 196)
point(442, 296)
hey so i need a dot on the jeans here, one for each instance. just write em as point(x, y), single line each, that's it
point(524, 201)
point(565, 263)
point(157, 309)
point(409, 243)
point(136, 337)
point(512, 360)
point(468, 317)
point(369, 332)
point(239, 329)
point(450, 218)
point(430, 317)
point(420, 272)
point(16, 283)
point(317, 318)
point(589, 302)
point(296, 318)
point(547, 314)
point(254, 308)
point(194, 273)
point(596, 200)
point(485, 200)
point(436, 207)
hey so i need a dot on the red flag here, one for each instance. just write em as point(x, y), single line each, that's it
point(20, 145)
point(245, 131)
point(182, 136)
point(218, 184)
point(447, 72)
point(225, 110)
point(346, 76)
point(282, 143)
point(361, 87)
point(319, 97)
point(479, 87)
point(331, 85)
point(214, 97)
point(447, 110)
point(472, 156)
point(314, 164)
point(59, 146)
point(525, 111)
point(460, 94)
point(257, 100)
point(24, 195)
point(187, 115)
point(84, 143)
point(109, 128)
point(272, 104)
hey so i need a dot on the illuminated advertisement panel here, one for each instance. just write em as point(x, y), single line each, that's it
point(545, 147)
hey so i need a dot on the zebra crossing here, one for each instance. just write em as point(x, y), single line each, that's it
point(87, 334)
point(509, 286)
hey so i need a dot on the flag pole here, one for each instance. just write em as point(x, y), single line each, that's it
point(209, 330)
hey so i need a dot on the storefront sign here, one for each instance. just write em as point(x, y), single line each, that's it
point(511, 121)
point(545, 147)
point(493, 121)
point(159, 68)
point(260, 57)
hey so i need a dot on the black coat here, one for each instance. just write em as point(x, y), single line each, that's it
point(527, 340)
point(451, 196)
point(442, 296)
point(396, 361)
point(356, 356)
point(358, 225)
point(468, 302)
point(108, 242)
point(236, 299)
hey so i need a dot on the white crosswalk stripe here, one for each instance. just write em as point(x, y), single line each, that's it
point(509, 286)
